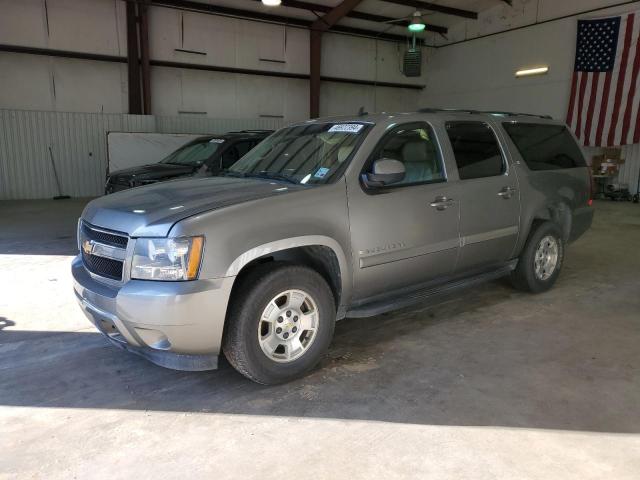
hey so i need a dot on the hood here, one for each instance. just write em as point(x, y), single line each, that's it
point(155, 171)
point(152, 210)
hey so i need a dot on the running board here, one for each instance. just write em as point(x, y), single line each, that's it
point(427, 295)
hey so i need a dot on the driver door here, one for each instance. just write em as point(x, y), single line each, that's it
point(406, 233)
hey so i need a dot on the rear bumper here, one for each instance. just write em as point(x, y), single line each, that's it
point(581, 222)
point(173, 324)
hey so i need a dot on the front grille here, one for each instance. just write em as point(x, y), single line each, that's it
point(100, 265)
point(105, 267)
point(115, 239)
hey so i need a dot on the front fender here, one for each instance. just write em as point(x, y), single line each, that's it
point(302, 241)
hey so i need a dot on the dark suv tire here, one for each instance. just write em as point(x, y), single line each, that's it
point(541, 260)
point(280, 324)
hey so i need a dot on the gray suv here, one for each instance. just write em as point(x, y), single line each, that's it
point(326, 219)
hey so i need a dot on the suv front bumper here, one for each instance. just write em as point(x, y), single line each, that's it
point(176, 325)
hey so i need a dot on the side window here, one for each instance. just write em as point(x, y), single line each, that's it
point(230, 156)
point(244, 147)
point(545, 146)
point(413, 145)
point(476, 150)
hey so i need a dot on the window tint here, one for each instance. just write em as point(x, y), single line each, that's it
point(415, 147)
point(244, 147)
point(476, 150)
point(545, 147)
point(194, 154)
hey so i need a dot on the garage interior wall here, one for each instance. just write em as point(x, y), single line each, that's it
point(476, 67)
point(99, 27)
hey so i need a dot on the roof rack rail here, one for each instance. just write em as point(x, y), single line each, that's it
point(483, 112)
point(518, 114)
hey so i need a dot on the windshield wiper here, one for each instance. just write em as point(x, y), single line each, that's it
point(272, 176)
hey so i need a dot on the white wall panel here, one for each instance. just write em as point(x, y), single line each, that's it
point(211, 92)
point(25, 82)
point(87, 86)
point(348, 57)
point(253, 99)
point(261, 46)
point(22, 23)
point(166, 90)
point(165, 33)
point(96, 26)
point(345, 99)
point(396, 100)
point(213, 35)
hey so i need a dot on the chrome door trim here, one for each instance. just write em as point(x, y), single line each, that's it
point(490, 235)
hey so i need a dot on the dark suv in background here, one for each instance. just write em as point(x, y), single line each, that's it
point(204, 156)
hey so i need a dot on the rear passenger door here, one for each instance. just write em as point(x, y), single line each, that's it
point(489, 197)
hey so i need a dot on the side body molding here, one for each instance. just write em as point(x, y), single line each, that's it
point(294, 242)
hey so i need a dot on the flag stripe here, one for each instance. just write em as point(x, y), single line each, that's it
point(595, 77)
point(583, 86)
point(608, 121)
point(572, 98)
point(620, 82)
point(593, 133)
point(603, 108)
point(627, 132)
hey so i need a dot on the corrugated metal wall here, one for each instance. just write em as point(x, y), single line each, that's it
point(631, 169)
point(77, 142)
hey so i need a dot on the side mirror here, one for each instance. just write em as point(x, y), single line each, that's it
point(385, 171)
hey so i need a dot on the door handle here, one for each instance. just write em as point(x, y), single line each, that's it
point(441, 203)
point(507, 192)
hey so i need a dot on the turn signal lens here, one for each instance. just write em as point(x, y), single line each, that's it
point(195, 256)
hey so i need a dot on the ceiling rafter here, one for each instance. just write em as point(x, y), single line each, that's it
point(190, 5)
point(371, 17)
point(433, 7)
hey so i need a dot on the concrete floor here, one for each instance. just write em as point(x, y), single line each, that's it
point(491, 384)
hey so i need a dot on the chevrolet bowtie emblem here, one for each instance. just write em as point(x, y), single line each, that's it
point(87, 247)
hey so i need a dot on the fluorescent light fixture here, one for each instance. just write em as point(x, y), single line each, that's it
point(271, 3)
point(532, 71)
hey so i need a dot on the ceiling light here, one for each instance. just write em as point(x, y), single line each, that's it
point(532, 71)
point(416, 24)
point(271, 3)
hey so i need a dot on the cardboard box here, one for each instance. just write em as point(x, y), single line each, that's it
point(607, 163)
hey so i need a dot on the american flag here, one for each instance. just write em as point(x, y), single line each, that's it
point(605, 89)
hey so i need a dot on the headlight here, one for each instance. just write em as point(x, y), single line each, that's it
point(167, 258)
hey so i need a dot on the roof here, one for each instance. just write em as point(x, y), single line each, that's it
point(470, 114)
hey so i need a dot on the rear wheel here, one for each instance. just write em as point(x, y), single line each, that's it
point(280, 324)
point(541, 260)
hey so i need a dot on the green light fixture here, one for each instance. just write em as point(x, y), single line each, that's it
point(416, 24)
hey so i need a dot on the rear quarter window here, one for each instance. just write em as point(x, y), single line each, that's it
point(545, 147)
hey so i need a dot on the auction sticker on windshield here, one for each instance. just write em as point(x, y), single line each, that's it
point(346, 128)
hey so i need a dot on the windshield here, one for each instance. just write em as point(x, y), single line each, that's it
point(194, 154)
point(306, 154)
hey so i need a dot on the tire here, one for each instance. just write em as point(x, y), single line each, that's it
point(525, 277)
point(248, 336)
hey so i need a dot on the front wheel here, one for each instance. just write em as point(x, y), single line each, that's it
point(541, 260)
point(280, 323)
